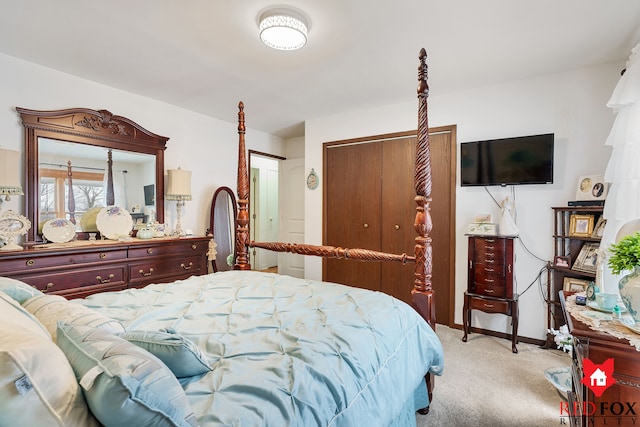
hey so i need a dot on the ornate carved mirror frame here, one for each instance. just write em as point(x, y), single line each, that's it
point(97, 128)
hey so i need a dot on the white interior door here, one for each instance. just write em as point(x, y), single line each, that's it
point(291, 192)
point(263, 209)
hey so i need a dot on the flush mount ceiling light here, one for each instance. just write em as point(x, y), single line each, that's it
point(283, 29)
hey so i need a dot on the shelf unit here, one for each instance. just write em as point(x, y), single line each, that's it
point(566, 245)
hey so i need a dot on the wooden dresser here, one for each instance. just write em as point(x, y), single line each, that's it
point(78, 269)
point(490, 281)
point(619, 404)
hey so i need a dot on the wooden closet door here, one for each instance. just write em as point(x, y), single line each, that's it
point(397, 215)
point(352, 211)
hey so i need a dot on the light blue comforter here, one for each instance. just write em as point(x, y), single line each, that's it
point(286, 351)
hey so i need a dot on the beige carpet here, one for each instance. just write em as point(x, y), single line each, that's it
point(485, 384)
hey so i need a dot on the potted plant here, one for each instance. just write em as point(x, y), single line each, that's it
point(626, 257)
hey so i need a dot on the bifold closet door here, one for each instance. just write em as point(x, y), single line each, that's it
point(352, 211)
point(397, 215)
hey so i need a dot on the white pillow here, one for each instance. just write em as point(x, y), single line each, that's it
point(37, 385)
point(49, 309)
point(12, 313)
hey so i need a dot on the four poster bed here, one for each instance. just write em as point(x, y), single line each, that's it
point(232, 348)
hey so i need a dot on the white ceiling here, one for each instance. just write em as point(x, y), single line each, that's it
point(205, 55)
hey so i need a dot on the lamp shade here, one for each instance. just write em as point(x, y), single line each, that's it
point(178, 184)
point(9, 175)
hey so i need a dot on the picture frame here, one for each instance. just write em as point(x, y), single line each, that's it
point(581, 225)
point(592, 187)
point(598, 229)
point(571, 284)
point(562, 261)
point(587, 258)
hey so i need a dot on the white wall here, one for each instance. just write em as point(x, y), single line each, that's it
point(571, 105)
point(206, 146)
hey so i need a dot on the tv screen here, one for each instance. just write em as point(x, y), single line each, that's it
point(507, 161)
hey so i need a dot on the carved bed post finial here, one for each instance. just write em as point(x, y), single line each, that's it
point(111, 195)
point(242, 230)
point(422, 295)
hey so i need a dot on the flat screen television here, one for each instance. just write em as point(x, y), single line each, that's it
point(507, 161)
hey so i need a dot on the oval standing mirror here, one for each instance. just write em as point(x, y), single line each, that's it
point(222, 225)
point(78, 159)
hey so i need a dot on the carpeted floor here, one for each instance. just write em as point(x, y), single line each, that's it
point(485, 384)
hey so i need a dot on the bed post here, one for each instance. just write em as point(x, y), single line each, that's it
point(242, 230)
point(422, 293)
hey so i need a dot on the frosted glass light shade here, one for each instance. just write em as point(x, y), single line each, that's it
point(178, 184)
point(9, 176)
point(283, 29)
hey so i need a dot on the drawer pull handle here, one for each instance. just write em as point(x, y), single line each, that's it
point(489, 291)
point(488, 305)
point(103, 255)
point(150, 251)
point(47, 287)
point(30, 262)
point(490, 260)
point(489, 247)
point(397, 227)
point(470, 264)
point(186, 267)
point(366, 225)
point(509, 268)
point(489, 240)
point(490, 270)
point(489, 280)
point(107, 280)
point(146, 274)
point(194, 246)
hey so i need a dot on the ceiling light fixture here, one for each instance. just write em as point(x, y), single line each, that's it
point(283, 29)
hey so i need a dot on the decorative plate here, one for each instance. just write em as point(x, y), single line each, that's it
point(59, 230)
point(595, 306)
point(560, 377)
point(114, 222)
point(631, 324)
point(596, 315)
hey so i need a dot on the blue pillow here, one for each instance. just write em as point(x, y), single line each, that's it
point(182, 356)
point(17, 290)
point(124, 385)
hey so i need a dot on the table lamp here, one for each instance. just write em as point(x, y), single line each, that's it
point(179, 189)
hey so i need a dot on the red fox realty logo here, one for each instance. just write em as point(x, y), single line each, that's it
point(598, 377)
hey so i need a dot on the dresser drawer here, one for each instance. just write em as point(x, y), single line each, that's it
point(168, 249)
point(37, 261)
point(497, 290)
point(113, 275)
point(153, 271)
point(490, 306)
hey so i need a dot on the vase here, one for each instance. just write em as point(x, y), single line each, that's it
point(629, 287)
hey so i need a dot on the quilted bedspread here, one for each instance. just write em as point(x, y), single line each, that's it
point(287, 351)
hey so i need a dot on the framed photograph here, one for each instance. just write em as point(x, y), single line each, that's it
point(581, 225)
point(599, 228)
point(592, 187)
point(572, 284)
point(587, 258)
point(562, 261)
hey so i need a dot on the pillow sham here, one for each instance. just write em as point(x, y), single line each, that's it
point(37, 385)
point(123, 384)
point(17, 289)
point(49, 309)
point(182, 356)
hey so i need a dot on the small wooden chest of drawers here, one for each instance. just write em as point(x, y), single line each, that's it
point(490, 281)
point(78, 270)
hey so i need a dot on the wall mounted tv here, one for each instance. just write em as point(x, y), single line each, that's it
point(507, 161)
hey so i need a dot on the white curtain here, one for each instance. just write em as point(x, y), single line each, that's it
point(623, 170)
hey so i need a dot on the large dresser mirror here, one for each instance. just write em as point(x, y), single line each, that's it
point(78, 160)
